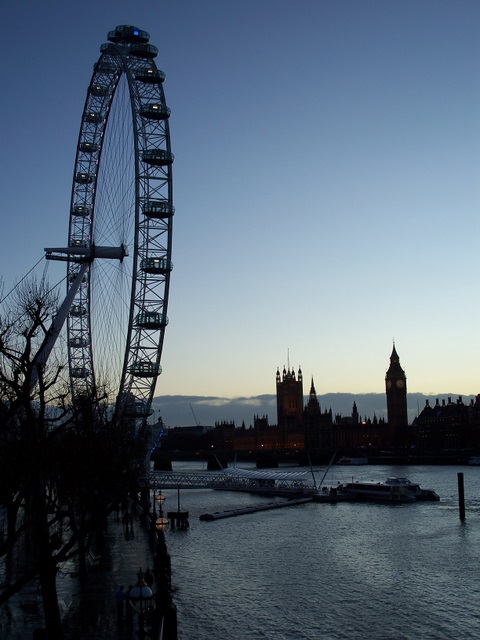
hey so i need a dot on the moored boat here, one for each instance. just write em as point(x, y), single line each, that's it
point(396, 490)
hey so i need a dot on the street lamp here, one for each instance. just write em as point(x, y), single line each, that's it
point(161, 523)
point(141, 600)
point(158, 500)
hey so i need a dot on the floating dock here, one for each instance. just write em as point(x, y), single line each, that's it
point(219, 515)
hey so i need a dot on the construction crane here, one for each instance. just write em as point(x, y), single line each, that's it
point(195, 417)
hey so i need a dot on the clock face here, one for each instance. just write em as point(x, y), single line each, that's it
point(400, 384)
point(389, 384)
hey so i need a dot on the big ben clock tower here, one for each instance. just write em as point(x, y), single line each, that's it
point(396, 389)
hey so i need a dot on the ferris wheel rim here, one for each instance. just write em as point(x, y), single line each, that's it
point(128, 58)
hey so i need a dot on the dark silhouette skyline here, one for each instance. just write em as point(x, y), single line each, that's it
point(176, 412)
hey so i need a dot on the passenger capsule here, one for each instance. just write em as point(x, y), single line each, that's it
point(81, 211)
point(126, 33)
point(88, 147)
point(138, 409)
point(158, 157)
point(79, 372)
point(84, 178)
point(151, 320)
point(78, 243)
point(150, 75)
point(78, 342)
point(93, 117)
point(158, 209)
point(155, 111)
point(156, 265)
point(99, 90)
point(145, 369)
point(142, 50)
point(77, 311)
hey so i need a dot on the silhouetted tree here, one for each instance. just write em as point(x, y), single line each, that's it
point(63, 467)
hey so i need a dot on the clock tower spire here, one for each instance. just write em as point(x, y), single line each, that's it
point(396, 389)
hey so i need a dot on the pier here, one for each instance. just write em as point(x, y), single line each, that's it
point(219, 515)
point(288, 483)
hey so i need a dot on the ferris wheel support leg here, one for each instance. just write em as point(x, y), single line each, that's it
point(56, 326)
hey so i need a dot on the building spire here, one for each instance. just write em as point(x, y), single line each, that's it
point(394, 357)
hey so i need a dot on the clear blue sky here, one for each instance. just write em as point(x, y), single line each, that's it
point(326, 180)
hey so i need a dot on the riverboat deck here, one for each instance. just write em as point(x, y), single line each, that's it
point(394, 490)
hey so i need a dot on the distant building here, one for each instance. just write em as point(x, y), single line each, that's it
point(317, 426)
point(326, 435)
point(301, 427)
point(447, 426)
point(188, 438)
point(396, 390)
point(306, 427)
point(289, 400)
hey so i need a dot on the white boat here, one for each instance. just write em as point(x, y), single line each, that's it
point(352, 460)
point(392, 490)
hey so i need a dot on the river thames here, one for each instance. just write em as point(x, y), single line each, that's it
point(352, 571)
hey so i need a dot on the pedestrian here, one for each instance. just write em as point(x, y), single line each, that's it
point(149, 578)
point(128, 605)
point(120, 600)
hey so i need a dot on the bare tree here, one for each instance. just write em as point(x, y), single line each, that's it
point(62, 466)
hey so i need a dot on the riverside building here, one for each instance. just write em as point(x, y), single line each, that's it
point(310, 429)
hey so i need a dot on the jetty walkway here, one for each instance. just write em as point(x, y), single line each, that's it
point(286, 483)
point(219, 515)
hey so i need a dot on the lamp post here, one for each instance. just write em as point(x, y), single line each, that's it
point(141, 600)
point(158, 500)
point(161, 523)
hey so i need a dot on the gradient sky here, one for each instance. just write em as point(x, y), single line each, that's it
point(326, 180)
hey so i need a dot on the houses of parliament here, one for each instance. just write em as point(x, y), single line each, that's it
point(445, 427)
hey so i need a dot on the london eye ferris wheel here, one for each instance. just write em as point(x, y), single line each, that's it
point(120, 229)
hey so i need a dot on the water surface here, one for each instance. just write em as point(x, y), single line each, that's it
point(350, 570)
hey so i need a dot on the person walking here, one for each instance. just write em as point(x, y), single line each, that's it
point(128, 605)
point(120, 600)
point(149, 578)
